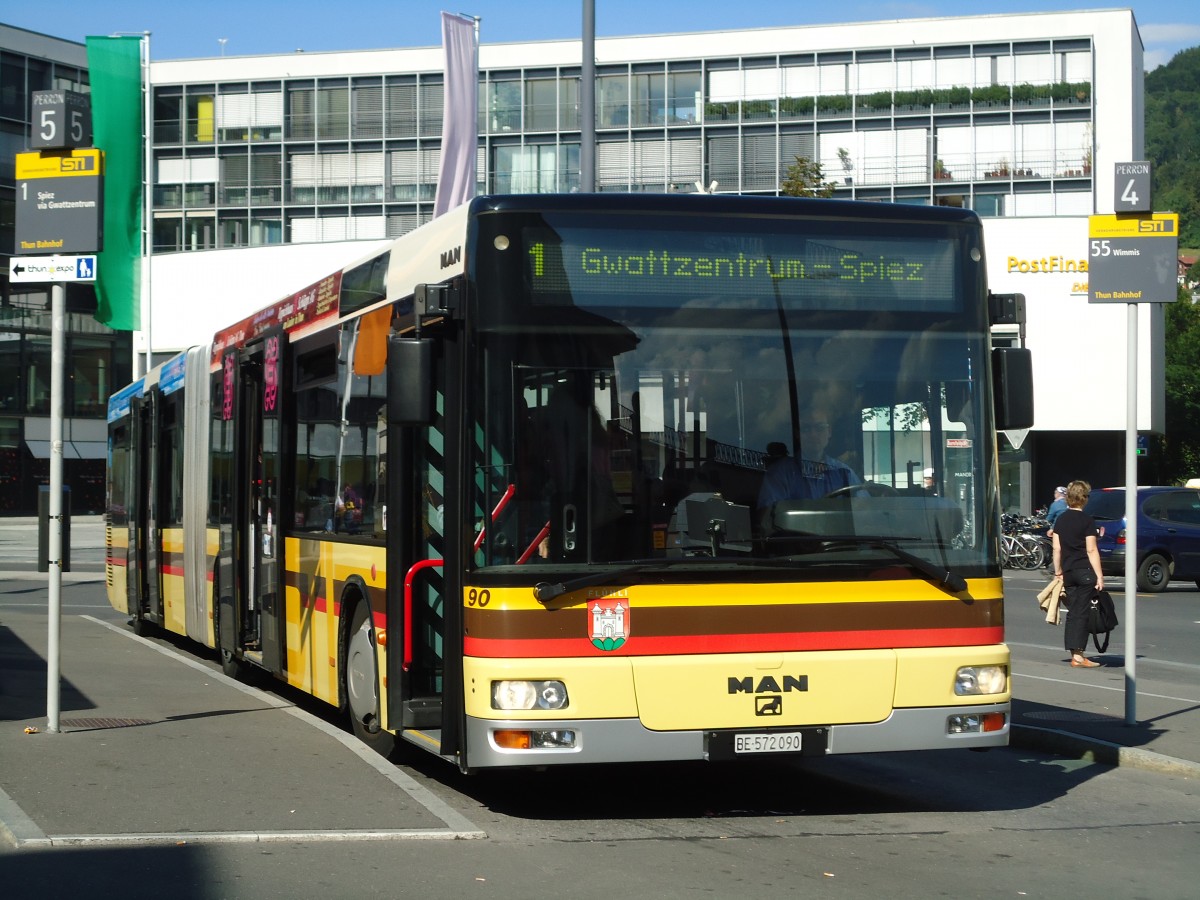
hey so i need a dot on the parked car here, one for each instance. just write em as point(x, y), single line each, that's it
point(1168, 534)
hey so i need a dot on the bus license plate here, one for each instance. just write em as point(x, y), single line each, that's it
point(768, 742)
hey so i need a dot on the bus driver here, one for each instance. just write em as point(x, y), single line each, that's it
point(811, 475)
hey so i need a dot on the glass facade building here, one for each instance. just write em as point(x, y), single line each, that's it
point(1003, 127)
point(97, 358)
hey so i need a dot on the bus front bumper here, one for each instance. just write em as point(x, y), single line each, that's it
point(493, 743)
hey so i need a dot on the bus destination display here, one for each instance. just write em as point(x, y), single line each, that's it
point(593, 267)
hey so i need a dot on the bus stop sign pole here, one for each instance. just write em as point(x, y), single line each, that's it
point(1132, 260)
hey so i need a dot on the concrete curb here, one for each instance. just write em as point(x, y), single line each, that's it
point(1050, 740)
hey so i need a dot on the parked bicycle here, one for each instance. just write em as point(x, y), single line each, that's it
point(1023, 542)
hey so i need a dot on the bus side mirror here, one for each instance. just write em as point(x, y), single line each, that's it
point(409, 381)
point(1012, 380)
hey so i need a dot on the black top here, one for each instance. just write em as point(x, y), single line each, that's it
point(1072, 529)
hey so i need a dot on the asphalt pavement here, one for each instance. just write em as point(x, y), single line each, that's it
point(143, 751)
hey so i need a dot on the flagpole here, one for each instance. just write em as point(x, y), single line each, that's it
point(147, 199)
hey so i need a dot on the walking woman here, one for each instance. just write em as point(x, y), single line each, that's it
point(1077, 561)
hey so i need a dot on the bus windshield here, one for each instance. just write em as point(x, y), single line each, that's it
point(786, 392)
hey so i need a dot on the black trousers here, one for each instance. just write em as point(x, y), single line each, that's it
point(1079, 585)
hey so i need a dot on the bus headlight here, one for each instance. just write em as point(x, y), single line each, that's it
point(529, 695)
point(972, 680)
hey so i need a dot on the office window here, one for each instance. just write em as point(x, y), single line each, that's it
point(914, 74)
point(761, 84)
point(266, 227)
point(612, 101)
point(957, 71)
point(266, 114)
point(37, 375)
point(266, 177)
point(993, 151)
point(568, 103)
point(199, 231)
point(367, 177)
point(234, 232)
point(300, 111)
point(876, 76)
point(91, 376)
point(401, 110)
point(794, 145)
point(167, 234)
point(13, 96)
point(912, 155)
point(235, 178)
point(541, 104)
point(10, 377)
point(333, 112)
point(201, 115)
point(1072, 148)
point(724, 86)
point(648, 105)
point(366, 110)
point(648, 166)
point(533, 169)
point(233, 116)
point(800, 81)
point(612, 166)
point(414, 173)
point(833, 78)
point(1033, 155)
point(1034, 68)
point(1077, 66)
point(430, 104)
point(683, 97)
point(504, 107)
point(168, 115)
point(723, 162)
point(685, 163)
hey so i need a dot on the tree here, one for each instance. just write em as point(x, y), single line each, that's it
point(1180, 445)
point(804, 178)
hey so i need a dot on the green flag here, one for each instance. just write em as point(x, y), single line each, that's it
point(115, 73)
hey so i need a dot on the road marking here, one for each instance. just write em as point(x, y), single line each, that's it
point(1104, 687)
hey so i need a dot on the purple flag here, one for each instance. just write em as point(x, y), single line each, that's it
point(456, 177)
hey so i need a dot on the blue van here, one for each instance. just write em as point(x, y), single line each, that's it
point(1168, 534)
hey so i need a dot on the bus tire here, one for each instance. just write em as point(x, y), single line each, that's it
point(360, 680)
point(141, 627)
point(231, 666)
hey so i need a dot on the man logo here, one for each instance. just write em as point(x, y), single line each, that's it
point(451, 257)
point(768, 685)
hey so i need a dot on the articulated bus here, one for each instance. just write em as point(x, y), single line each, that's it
point(599, 478)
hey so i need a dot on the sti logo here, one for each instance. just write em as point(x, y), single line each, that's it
point(77, 164)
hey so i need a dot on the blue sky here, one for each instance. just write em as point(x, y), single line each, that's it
point(249, 27)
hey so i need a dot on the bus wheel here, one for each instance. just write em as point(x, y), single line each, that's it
point(361, 680)
point(231, 666)
point(141, 627)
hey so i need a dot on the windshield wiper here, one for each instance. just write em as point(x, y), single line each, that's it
point(942, 577)
point(545, 591)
